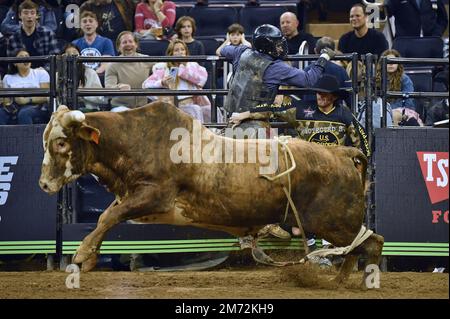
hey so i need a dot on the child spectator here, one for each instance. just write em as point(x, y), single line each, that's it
point(93, 44)
point(182, 76)
point(152, 17)
point(237, 36)
point(185, 29)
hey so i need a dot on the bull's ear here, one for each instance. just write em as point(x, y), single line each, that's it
point(89, 133)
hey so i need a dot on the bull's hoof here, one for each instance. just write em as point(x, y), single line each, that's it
point(83, 254)
point(89, 264)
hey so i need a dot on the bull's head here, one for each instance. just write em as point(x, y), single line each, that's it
point(65, 142)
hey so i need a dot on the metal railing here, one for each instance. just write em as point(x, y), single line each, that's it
point(51, 92)
point(74, 92)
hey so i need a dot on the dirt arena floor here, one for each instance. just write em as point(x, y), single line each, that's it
point(253, 283)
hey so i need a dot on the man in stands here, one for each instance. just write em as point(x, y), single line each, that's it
point(362, 40)
point(416, 18)
point(93, 44)
point(289, 27)
point(36, 39)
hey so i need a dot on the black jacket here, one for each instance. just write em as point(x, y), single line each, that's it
point(410, 19)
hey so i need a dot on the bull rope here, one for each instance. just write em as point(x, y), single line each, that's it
point(283, 141)
point(258, 253)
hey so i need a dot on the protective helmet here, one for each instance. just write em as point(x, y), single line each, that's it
point(268, 39)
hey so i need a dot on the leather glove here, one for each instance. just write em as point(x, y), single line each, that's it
point(327, 53)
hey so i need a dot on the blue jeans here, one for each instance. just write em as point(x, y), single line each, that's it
point(27, 114)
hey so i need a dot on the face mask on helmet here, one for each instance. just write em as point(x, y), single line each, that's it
point(275, 47)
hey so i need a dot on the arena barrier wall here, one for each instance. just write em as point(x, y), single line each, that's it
point(411, 193)
point(27, 214)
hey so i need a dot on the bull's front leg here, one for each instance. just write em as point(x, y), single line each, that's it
point(145, 201)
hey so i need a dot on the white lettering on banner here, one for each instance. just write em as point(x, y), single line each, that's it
point(441, 181)
point(6, 176)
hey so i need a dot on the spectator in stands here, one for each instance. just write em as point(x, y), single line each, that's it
point(113, 16)
point(127, 75)
point(88, 79)
point(416, 18)
point(185, 29)
point(93, 44)
point(182, 76)
point(46, 16)
point(153, 18)
point(34, 38)
point(26, 110)
point(289, 26)
point(403, 108)
point(331, 68)
point(362, 40)
point(237, 36)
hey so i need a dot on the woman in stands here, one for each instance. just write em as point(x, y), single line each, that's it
point(403, 109)
point(88, 79)
point(185, 30)
point(27, 110)
point(152, 17)
point(47, 17)
point(182, 76)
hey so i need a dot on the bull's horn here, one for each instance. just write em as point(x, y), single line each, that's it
point(72, 116)
point(61, 108)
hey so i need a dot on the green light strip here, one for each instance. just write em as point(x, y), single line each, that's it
point(30, 242)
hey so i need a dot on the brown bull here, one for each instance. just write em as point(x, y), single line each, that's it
point(133, 155)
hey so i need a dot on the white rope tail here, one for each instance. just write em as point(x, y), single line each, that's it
point(363, 234)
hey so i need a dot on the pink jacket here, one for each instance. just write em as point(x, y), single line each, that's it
point(193, 74)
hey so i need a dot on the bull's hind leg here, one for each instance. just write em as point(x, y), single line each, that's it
point(372, 247)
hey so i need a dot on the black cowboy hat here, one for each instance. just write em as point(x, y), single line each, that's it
point(329, 84)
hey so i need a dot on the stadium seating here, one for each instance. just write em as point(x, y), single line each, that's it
point(183, 10)
point(251, 17)
point(213, 21)
point(153, 47)
point(211, 45)
point(423, 82)
point(413, 47)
